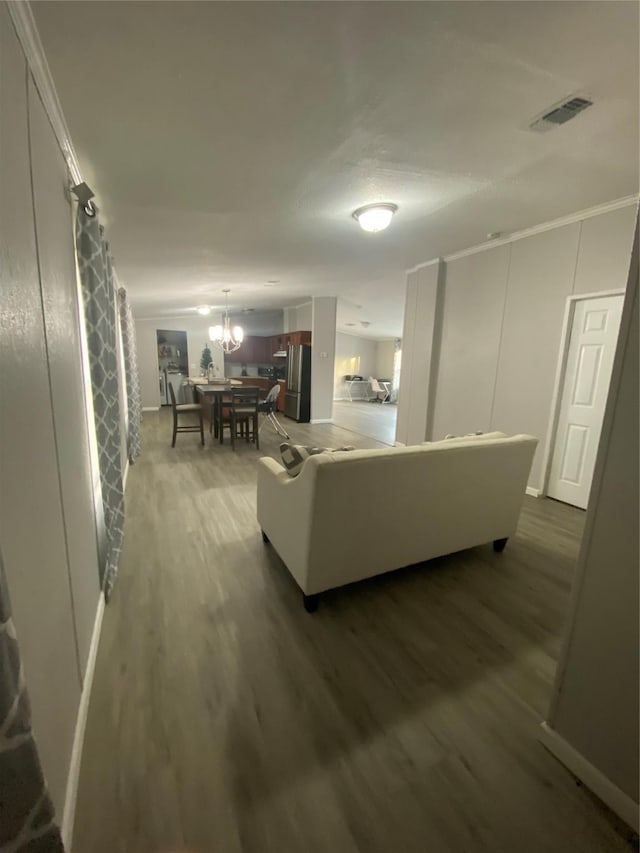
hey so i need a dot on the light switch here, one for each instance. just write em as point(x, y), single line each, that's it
point(323, 355)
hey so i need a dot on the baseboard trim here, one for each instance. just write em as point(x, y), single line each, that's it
point(534, 493)
point(619, 802)
point(71, 793)
point(321, 420)
point(150, 408)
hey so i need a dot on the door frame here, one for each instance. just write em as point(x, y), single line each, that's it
point(561, 369)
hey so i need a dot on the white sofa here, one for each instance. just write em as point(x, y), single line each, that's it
point(352, 515)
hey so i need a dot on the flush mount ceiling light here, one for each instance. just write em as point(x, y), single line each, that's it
point(228, 339)
point(375, 217)
point(203, 309)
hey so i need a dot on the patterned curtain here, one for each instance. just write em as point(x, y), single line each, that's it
point(128, 332)
point(26, 812)
point(98, 294)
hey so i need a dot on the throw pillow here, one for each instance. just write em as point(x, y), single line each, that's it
point(294, 455)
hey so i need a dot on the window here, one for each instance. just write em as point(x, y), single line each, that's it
point(397, 360)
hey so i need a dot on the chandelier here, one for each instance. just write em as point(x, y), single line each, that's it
point(224, 336)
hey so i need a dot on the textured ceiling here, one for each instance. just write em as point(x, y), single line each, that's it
point(228, 143)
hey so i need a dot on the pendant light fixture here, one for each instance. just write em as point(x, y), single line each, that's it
point(228, 339)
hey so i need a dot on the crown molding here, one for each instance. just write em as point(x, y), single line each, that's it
point(421, 266)
point(578, 216)
point(28, 36)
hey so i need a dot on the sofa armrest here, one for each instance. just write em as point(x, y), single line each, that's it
point(284, 509)
point(270, 468)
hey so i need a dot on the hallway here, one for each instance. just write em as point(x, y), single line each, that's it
point(402, 717)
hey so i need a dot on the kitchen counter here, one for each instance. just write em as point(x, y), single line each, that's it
point(202, 380)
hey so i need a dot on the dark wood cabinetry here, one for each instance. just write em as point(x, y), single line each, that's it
point(300, 338)
point(259, 349)
point(281, 342)
point(262, 350)
point(250, 352)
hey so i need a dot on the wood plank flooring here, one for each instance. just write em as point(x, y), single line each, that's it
point(402, 717)
point(370, 419)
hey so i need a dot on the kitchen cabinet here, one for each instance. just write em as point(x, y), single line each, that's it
point(262, 352)
point(300, 338)
point(236, 357)
point(281, 342)
point(252, 351)
point(259, 349)
point(278, 343)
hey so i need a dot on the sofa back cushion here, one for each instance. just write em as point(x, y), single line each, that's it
point(382, 509)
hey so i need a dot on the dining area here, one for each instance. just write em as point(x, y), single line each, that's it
point(229, 407)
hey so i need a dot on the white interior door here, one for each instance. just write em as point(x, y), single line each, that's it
point(592, 345)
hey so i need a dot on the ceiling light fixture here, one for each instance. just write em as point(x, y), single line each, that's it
point(375, 217)
point(203, 309)
point(228, 339)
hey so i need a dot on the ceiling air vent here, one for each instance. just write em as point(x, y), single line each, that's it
point(560, 113)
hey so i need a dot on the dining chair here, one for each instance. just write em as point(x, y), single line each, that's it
point(241, 411)
point(179, 409)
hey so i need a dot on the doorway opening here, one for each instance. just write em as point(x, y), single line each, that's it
point(366, 379)
point(173, 364)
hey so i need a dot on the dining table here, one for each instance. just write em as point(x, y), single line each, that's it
point(211, 395)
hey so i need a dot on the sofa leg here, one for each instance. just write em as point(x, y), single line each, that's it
point(310, 602)
point(499, 544)
point(265, 538)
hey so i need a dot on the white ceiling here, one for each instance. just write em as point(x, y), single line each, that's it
point(228, 143)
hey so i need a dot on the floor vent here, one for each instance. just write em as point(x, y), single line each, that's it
point(560, 114)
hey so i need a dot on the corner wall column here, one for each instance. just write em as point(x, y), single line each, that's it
point(420, 350)
point(323, 354)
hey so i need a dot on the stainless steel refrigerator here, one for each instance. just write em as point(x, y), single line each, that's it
point(297, 400)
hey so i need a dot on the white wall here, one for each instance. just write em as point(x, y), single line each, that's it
point(384, 359)
point(353, 355)
point(540, 280)
point(299, 318)
point(501, 328)
point(593, 720)
point(323, 331)
point(473, 309)
point(420, 352)
point(304, 318)
point(47, 522)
